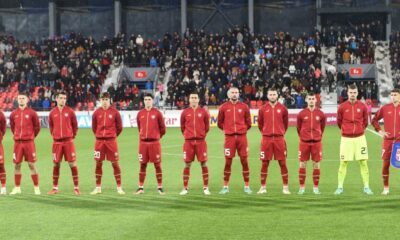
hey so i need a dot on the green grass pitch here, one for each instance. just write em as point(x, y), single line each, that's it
point(195, 216)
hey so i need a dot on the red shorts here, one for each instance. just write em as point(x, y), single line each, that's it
point(24, 150)
point(387, 146)
point(236, 143)
point(106, 149)
point(64, 149)
point(1, 154)
point(273, 147)
point(149, 152)
point(192, 148)
point(310, 148)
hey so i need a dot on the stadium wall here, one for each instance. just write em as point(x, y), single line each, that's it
point(172, 117)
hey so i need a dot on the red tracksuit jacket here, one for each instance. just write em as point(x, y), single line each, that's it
point(234, 119)
point(106, 124)
point(391, 121)
point(151, 124)
point(63, 124)
point(25, 124)
point(273, 121)
point(311, 125)
point(3, 126)
point(352, 119)
point(195, 123)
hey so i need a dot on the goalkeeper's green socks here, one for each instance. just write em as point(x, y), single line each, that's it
point(364, 172)
point(342, 173)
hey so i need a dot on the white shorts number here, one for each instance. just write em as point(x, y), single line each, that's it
point(140, 156)
point(227, 152)
point(262, 155)
point(96, 154)
point(14, 156)
point(54, 157)
point(184, 155)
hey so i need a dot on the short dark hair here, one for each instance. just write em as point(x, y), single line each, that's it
point(395, 90)
point(61, 93)
point(104, 95)
point(311, 94)
point(148, 95)
point(194, 92)
point(24, 94)
point(352, 86)
point(272, 89)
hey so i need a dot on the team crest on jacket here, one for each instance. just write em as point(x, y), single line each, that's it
point(358, 110)
point(279, 111)
point(26, 116)
point(317, 118)
point(306, 117)
point(199, 115)
point(110, 116)
point(66, 115)
point(153, 117)
point(240, 110)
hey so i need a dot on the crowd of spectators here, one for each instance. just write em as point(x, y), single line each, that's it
point(207, 62)
point(73, 63)
point(211, 63)
point(395, 57)
point(354, 43)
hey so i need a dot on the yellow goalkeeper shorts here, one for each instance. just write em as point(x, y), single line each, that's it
point(353, 148)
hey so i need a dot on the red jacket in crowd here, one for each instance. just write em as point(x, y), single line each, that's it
point(273, 121)
point(352, 119)
point(151, 124)
point(234, 119)
point(311, 125)
point(106, 124)
point(391, 121)
point(195, 123)
point(25, 124)
point(63, 124)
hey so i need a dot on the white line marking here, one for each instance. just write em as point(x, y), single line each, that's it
point(374, 132)
point(288, 159)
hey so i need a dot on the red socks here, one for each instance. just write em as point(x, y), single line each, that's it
point(264, 173)
point(117, 173)
point(99, 173)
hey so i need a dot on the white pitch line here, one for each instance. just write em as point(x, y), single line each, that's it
point(374, 132)
point(172, 146)
point(289, 159)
